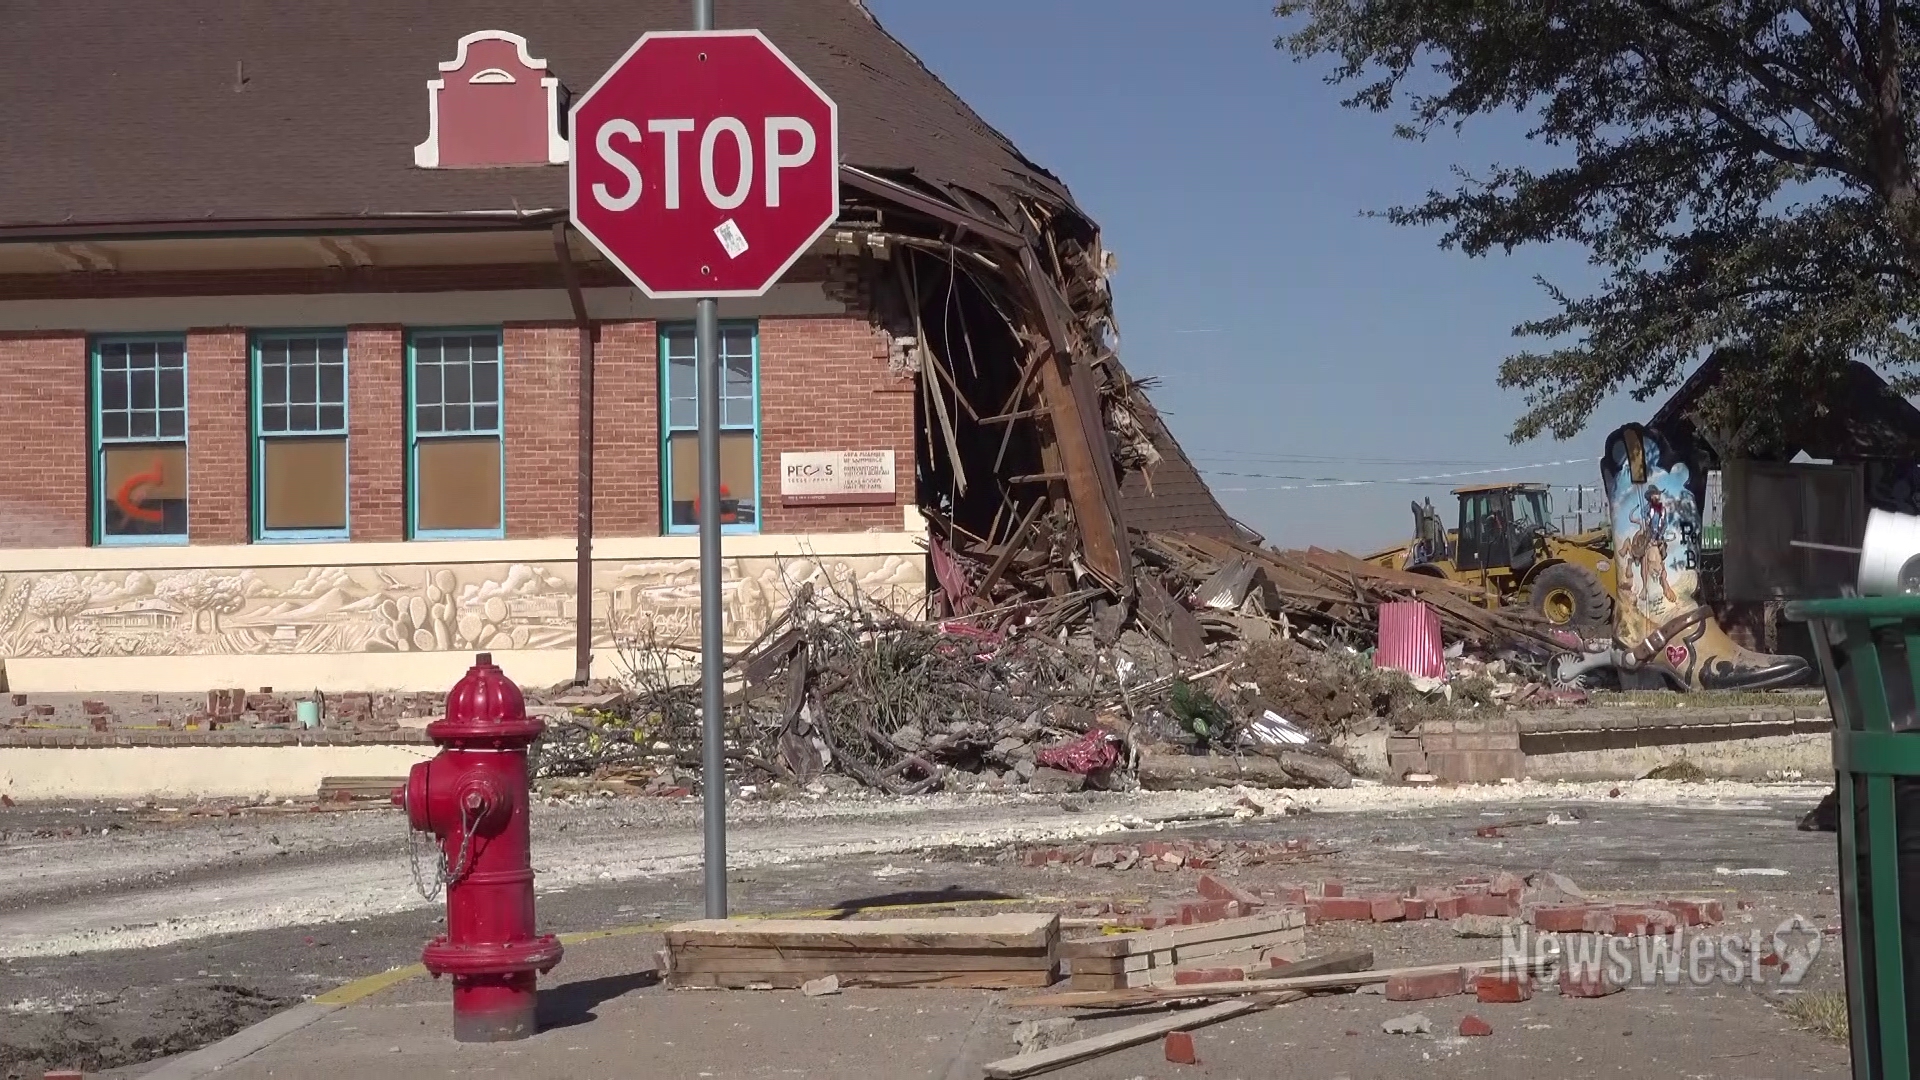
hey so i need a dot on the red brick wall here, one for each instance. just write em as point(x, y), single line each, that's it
point(542, 413)
point(43, 439)
point(376, 432)
point(824, 386)
point(626, 430)
point(217, 433)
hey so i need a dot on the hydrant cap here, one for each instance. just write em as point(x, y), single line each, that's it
point(485, 704)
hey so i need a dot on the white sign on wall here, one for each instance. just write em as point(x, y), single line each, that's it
point(837, 476)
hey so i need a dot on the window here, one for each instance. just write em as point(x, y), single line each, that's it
point(140, 432)
point(739, 429)
point(453, 429)
point(300, 436)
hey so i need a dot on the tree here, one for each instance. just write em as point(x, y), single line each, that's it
point(1743, 172)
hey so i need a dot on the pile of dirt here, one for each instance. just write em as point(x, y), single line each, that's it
point(94, 1035)
point(1328, 693)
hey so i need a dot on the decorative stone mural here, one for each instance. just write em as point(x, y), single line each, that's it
point(412, 608)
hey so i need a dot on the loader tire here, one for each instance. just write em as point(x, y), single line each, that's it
point(1573, 598)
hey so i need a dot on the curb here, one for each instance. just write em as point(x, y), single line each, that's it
point(250, 1040)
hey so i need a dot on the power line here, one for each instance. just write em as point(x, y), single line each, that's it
point(1315, 482)
point(1328, 459)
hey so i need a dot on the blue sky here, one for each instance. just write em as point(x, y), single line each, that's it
point(1291, 335)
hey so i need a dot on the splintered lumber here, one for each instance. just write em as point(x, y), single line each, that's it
point(1157, 957)
point(988, 951)
point(1332, 981)
point(1023, 1065)
point(1173, 937)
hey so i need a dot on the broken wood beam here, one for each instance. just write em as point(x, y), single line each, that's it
point(1148, 995)
point(1328, 964)
point(984, 590)
point(1024, 1065)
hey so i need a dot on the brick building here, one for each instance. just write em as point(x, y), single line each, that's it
point(292, 335)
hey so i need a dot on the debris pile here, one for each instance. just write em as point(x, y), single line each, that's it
point(1231, 666)
point(841, 687)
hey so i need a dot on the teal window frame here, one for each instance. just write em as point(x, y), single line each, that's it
point(414, 435)
point(99, 441)
point(678, 339)
point(257, 445)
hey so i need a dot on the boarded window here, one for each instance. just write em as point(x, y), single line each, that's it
point(456, 428)
point(140, 429)
point(739, 428)
point(300, 465)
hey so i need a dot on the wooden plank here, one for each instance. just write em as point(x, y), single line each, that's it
point(1247, 960)
point(823, 964)
point(895, 980)
point(1023, 1065)
point(1355, 960)
point(1022, 931)
point(1102, 541)
point(1331, 981)
point(1168, 937)
point(1102, 980)
point(1113, 965)
point(1217, 953)
point(1170, 621)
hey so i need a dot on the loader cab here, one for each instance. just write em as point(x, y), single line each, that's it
point(1498, 526)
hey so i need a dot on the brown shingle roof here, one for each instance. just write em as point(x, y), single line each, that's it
point(204, 111)
point(118, 114)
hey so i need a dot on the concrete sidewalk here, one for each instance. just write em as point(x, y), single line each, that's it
point(604, 1017)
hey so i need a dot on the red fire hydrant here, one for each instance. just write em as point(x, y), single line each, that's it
point(473, 797)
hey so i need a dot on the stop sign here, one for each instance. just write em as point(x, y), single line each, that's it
point(704, 163)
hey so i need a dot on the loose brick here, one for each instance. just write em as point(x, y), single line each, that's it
point(1511, 884)
point(1346, 909)
point(1386, 909)
point(1586, 982)
point(1489, 904)
point(1206, 911)
point(1417, 908)
point(1214, 889)
point(1474, 1027)
point(1332, 888)
point(1447, 907)
point(1179, 1047)
point(1423, 987)
point(1494, 988)
point(1208, 975)
point(1639, 922)
point(1561, 918)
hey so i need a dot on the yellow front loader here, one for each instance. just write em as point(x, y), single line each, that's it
point(1506, 546)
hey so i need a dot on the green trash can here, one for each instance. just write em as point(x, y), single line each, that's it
point(1869, 652)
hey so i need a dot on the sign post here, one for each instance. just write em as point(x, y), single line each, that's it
point(703, 164)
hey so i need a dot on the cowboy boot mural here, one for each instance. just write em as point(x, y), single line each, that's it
point(1659, 623)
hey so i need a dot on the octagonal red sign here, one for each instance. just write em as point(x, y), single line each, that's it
point(704, 163)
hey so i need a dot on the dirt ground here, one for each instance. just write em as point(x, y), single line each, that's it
point(133, 978)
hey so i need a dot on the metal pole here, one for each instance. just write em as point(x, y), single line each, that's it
point(713, 762)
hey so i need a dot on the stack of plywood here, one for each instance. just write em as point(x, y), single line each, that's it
point(1156, 957)
point(993, 951)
